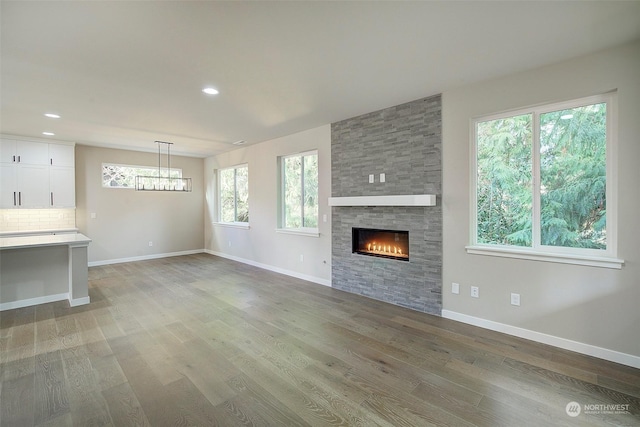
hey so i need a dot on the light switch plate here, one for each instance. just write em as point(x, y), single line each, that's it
point(515, 299)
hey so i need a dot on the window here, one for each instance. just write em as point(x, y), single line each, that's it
point(544, 181)
point(299, 178)
point(234, 194)
point(124, 176)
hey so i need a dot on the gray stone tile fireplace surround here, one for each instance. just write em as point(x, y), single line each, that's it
point(403, 142)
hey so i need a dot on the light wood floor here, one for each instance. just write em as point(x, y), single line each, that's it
point(200, 340)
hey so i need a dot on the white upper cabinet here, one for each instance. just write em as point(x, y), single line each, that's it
point(8, 187)
point(62, 155)
point(24, 152)
point(32, 186)
point(62, 183)
point(36, 174)
point(7, 151)
point(24, 186)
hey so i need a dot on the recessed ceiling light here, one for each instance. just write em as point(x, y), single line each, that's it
point(48, 133)
point(242, 141)
point(210, 91)
point(52, 116)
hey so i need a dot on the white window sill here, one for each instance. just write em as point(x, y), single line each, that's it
point(242, 225)
point(309, 232)
point(593, 261)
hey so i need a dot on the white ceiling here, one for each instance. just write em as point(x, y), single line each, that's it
point(126, 73)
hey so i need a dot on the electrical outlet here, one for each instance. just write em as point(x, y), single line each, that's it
point(229, 243)
point(383, 177)
point(475, 292)
point(301, 258)
point(372, 179)
point(515, 299)
point(150, 243)
point(94, 215)
point(324, 218)
point(455, 288)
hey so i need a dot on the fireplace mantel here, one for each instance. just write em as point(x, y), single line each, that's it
point(399, 200)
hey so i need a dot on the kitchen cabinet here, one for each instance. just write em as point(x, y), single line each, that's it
point(24, 152)
point(62, 155)
point(36, 175)
point(42, 269)
point(24, 186)
point(8, 186)
point(62, 185)
point(7, 150)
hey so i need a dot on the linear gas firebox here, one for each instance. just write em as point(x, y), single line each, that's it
point(392, 244)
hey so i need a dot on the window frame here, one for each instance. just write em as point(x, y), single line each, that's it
point(282, 228)
point(235, 193)
point(153, 171)
point(537, 251)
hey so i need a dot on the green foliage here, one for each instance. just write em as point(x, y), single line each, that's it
point(123, 176)
point(504, 181)
point(300, 177)
point(242, 194)
point(293, 192)
point(234, 194)
point(572, 179)
point(227, 195)
point(311, 191)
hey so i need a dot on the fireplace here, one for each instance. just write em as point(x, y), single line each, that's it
point(391, 244)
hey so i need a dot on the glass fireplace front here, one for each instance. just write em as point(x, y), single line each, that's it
point(392, 244)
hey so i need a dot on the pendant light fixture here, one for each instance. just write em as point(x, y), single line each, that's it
point(166, 180)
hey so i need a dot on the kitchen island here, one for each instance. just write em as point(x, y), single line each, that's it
point(43, 268)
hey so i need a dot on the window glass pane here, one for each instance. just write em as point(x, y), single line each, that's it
point(227, 195)
point(573, 177)
point(504, 190)
point(242, 194)
point(123, 176)
point(292, 168)
point(113, 176)
point(311, 191)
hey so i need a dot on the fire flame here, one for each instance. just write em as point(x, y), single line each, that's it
point(386, 249)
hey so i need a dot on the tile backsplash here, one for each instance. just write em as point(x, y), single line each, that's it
point(37, 219)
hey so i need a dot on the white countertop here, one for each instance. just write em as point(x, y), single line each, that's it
point(44, 240)
point(16, 233)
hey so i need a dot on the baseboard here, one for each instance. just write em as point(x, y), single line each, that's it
point(588, 349)
point(144, 257)
point(33, 301)
point(291, 273)
point(79, 301)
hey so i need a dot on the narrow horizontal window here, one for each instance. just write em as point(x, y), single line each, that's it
point(124, 176)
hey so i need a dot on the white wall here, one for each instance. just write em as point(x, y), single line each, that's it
point(126, 220)
point(261, 245)
point(587, 308)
